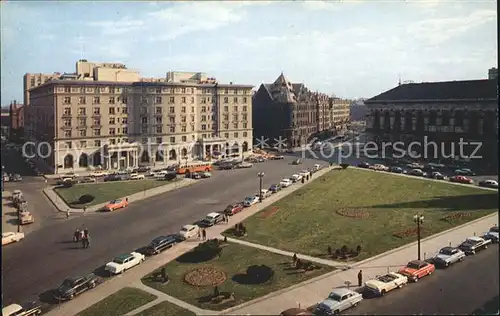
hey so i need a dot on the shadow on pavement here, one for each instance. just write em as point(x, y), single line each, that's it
point(491, 307)
point(101, 272)
point(47, 297)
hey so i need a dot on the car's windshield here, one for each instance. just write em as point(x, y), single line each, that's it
point(334, 296)
point(184, 229)
point(67, 283)
point(445, 252)
point(494, 229)
point(115, 202)
point(118, 260)
point(413, 265)
point(386, 278)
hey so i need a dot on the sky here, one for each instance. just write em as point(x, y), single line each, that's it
point(348, 48)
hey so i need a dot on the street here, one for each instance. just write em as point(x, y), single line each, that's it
point(41, 261)
point(463, 288)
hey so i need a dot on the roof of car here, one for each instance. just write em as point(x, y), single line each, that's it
point(341, 291)
point(11, 309)
point(158, 239)
point(188, 226)
point(447, 248)
point(476, 238)
point(124, 256)
point(213, 214)
point(417, 262)
point(74, 279)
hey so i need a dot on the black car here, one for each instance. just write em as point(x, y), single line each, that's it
point(364, 165)
point(193, 175)
point(227, 166)
point(74, 286)
point(143, 169)
point(161, 243)
point(112, 177)
point(396, 170)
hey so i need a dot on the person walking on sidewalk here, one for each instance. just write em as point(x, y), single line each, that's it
point(199, 235)
point(67, 213)
point(360, 277)
point(204, 234)
point(84, 209)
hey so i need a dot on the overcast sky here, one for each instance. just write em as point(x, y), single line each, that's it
point(352, 49)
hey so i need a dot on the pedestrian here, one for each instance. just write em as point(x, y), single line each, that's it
point(126, 199)
point(84, 209)
point(86, 233)
point(204, 234)
point(199, 235)
point(164, 275)
point(67, 213)
point(360, 277)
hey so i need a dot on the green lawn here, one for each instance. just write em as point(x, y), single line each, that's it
point(166, 308)
point(233, 261)
point(307, 221)
point(106, 191)
point(119, 303)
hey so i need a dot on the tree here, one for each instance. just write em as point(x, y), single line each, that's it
point(329, 250)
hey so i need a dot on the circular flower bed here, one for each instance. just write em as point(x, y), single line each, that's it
point(353, 212)
point(205, 277)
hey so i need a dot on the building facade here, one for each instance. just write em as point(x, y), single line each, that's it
point(290, 112)
point(31, 80)
point(340, 110)
point(118, 124)
point(442, 112)
point(493, 73)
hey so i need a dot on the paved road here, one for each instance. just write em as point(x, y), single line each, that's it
point(42, 260)
point(466, 287)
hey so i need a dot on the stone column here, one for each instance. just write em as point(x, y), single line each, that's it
point(414, 124)
point(426, 123)
point(402, 121)
point(481, 125)
point(381, 120)
point(392, 118)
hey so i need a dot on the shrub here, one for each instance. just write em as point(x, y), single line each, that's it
point(337, 252)
point(298, 264)
point(67, 184)
point(358, 248)
point(329, 250)
point(344, 165)
point(344, 249)
point(86, 198)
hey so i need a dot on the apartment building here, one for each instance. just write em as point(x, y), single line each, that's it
point(117, 124)
point(340, 113)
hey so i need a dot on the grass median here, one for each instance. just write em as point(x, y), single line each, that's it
point(119, 303)
point(107, 191)
point(166, 308)
point(372, 210)
point(239, 273)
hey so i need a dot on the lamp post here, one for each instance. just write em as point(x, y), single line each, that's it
point(261, 176)
point(419, 219)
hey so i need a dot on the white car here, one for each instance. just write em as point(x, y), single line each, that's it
point(189, 231)
point(124, 262)
point(385, 283)
point(448, 256)
point(243, 165)
point(379, 167)
point(296, 177)
point(250, 200)
point(10, 237)
point(305, 173)
point(285, 183)
point(317, 167)
point(99, 173)
point(136, 176)
point(265, 193)
point(492, 234)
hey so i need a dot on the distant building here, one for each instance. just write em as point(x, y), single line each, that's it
point(358, 110)
point(444, 112)
point(340, 113)
point(5, 123)
point(290, 111)
point(16, 113)
point(493, 73)
point(31, 80)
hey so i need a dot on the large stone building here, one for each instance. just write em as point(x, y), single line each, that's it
point(292, 112)
point(340, 111)
point(444, 112)
point(120, 124)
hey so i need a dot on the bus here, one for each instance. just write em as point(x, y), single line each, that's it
point(195, 167)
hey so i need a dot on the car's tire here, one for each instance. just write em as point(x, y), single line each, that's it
point(383, 293)
point(92, 285)
point(485, 246)
point(336, 312)
point(415, 280)
point(430, 272)
point(70, 297)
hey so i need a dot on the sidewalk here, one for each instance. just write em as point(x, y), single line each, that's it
point(132, 276)
point(59, 203)
point(315, 290)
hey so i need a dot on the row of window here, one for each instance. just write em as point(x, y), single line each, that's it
point(157, 100)
point(96, 111)
point(145, 90)
point(97, 100)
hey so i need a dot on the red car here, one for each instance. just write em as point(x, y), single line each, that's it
point(233, 209)
point(461, 179)
point(417, 269)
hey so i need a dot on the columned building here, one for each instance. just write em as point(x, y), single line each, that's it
point(444, 112)
point(290, 112)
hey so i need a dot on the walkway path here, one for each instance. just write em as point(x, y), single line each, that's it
point(331, 263)
point(59, 203)
point(132, 276)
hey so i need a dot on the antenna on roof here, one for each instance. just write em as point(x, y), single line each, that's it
point(399, 81)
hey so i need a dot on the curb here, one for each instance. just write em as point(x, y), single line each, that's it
point(423, 240)
point(183, 183)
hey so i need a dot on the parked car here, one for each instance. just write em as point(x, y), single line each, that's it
point(11, 237)
point(364, 165)
point(339, 300)
point(232, 209)
point(464, 172)
point(492, 234)
point(385, 283)
point(275, 188)
point(112, 177)
point(461, 179)
point(417, 269)
point(379, 167)
point(264, 193)
point(297, 161)
point(417, 172)
point(438, 176)
point(285, 183)
point(316, 167)
point(448, 256)
point(250, 200)
point(99, 173)
point(115, 204)
point(26, 309)
point(161, 243)
point(193, 175)
point(143, 169)
point(124, 262)
point(17, 194)
point(227, 166)
point(16, 178)
point(244, 165)
point(415, 165)
point(396, 169)
point(305, 173)
point(74, 286)
point(278, 157)
point(296, 177)
point(488, 184)
point(26, 217)
point(474, 244)
point(205, 175)
point(189, 231)
point(136, 176)
point(211, 219)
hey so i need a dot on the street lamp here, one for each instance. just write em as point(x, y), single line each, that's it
point(419, 219)
point(261, 176)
